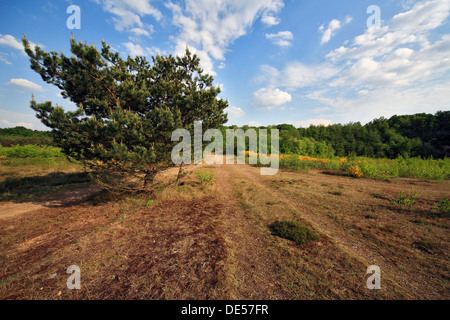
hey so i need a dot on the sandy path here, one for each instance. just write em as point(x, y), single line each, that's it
point(254, 275)
point(60, 199)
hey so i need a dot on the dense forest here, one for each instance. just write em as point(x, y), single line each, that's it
point(419, 135)
point(422, 134)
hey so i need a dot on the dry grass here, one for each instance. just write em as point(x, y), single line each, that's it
point(30, 167)
point(214, 242)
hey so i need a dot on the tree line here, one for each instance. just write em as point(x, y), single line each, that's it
point(418, 135)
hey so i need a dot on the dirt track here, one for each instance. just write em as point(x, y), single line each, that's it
point(214, 242)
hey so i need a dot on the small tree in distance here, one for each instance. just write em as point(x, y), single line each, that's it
point(126, 109)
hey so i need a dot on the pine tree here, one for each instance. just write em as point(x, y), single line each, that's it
point(126, 109)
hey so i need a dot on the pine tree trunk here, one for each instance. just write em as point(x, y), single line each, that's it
point(148, 181)
point(180, 173)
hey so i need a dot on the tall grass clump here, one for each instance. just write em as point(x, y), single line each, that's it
point(405, 168)
point(293, 164)
point(294, 231)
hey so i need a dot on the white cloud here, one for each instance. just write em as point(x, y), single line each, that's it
point(333, 26)
point(371, 104)
point(128, 15)
point(4, 59)
point(137, 50)
point(142, 32)
point(14, 119)
point(411, 27)
point(210, 26)
point(234, 113)
point(254, 124)
point(281, 38)
point(10, 41)
point(268, 99)
point(270, 20)
point(24, 83)
point(134, 49)
point(296, 75)
point(9, 124)
point(329, 32)
point(268, 17)
point(398, 54)
point(314, 122)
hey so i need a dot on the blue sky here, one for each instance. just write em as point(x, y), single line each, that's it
point(277, 61)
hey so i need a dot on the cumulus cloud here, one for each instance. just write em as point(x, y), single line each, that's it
point(296, 75)
point(11, 41)
point(128, 15)
point(4, 59)
point(375, 103)
point(234, 113)
point(210, 26)
point(268, 99)
point(24, 83)
point(282, 38)
point(9, 124)
point(312, 122)
point(269, 15)
point(14, 119)
point(399, 53)
point(400, 68)
point(327, 33)
point(333, 26)
point(270, 20)
point(137, 50)
point(410, 27)
point(254, 123)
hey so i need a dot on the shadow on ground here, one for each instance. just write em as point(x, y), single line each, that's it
point(21, 195)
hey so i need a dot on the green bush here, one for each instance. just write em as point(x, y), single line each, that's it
point(10, 141)
point(206, 178)
point(31, 151)
point(443, 207)
point(294, 164)
point(405, 199)
point(294, 231)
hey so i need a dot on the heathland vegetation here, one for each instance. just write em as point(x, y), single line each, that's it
point(384, 148)
point(212, 231)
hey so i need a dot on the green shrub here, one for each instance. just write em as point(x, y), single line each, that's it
point(206, 178)
point(443, 207)
point(31, 151)
point(294, 231)
point(8, 141)
point(293, 163)
point(405, 199)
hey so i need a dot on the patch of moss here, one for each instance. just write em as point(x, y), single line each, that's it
point(294, 231)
